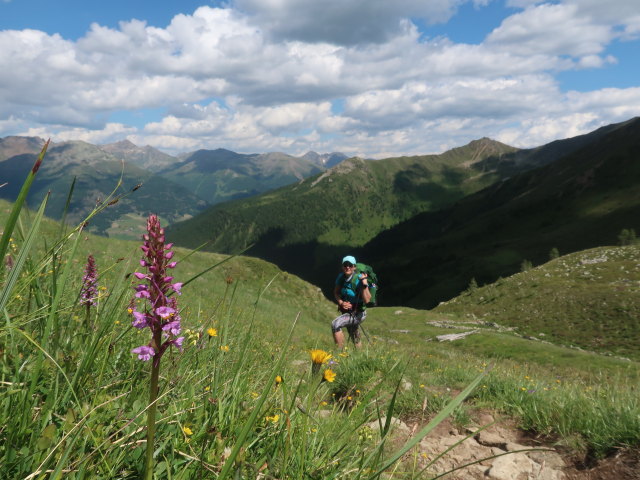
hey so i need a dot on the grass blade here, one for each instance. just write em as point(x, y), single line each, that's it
point(444, 413)
point(22, 257)
point(17, 206)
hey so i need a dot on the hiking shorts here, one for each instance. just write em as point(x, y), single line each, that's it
point(349, 320)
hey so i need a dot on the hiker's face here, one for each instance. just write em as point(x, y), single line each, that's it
point(347, 267)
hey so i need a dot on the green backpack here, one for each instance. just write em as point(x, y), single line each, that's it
point(372, 280)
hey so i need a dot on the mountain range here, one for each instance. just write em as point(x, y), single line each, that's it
point(175, 188)
point(430, 224)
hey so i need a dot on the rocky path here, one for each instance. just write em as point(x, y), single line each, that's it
point(516, 456)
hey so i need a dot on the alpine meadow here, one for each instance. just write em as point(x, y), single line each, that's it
point(170, 316)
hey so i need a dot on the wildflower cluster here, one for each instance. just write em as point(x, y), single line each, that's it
point(89, 290)
point(160, 312)
point(319, 358)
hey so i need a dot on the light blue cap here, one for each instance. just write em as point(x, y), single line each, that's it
point(349, 258)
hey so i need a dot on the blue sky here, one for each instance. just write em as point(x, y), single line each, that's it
point(365, 77)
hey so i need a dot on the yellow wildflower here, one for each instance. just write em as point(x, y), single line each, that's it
point(224, 348)
point(273, 418)
point(319, 357)
point(279, 380)
point(187, 431)
point(212, 332)
point(329, 375)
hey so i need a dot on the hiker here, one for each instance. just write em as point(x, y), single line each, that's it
point(352, 295)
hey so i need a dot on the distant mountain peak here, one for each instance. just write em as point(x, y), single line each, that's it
point(325, 160)
point(146, 157)
point(126, 143)
point(14, 145)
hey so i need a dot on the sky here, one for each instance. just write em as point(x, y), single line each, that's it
point(373, 78)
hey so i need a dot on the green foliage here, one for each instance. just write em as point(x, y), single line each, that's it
point(526, 265)
point(473, 285)
point(553, 253)
point(627, 236)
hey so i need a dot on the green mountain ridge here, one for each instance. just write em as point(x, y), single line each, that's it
point(348, 204)
point(580, 201)
point(426, 222)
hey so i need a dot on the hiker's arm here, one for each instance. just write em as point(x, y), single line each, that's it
point(366, 294)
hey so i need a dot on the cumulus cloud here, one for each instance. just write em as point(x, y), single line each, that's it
point(111, 132)
point(551, 29)
point(356, 76)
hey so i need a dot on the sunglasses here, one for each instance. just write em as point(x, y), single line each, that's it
point(347, 265)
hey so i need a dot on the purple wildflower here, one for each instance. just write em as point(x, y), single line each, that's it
point(165, 312)
point(144, 352)
point(140, 320)
point(161, 311)
point(89, 290)
point(172, 327)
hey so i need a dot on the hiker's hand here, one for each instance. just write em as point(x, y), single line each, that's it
point(346, 305)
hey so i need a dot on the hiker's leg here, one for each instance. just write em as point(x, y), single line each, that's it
point(336, 327)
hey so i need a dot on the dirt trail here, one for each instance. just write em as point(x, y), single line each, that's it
point(518, 456)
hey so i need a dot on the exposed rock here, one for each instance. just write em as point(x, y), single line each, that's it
point(512, 467)
point(397, 425)
point(454, 336)
point(494, 441)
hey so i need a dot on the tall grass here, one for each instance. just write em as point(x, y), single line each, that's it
point(74, 399)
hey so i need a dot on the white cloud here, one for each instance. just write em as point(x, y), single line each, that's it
point(264, 75)
point(111, 132)
point(551, 29)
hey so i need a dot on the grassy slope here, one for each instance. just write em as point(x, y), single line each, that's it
point(226, 297)
point(281, 296)
point(589, 299)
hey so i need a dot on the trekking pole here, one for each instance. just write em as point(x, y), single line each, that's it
point(365, 333)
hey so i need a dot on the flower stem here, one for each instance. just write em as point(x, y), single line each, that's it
point(151, 419)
